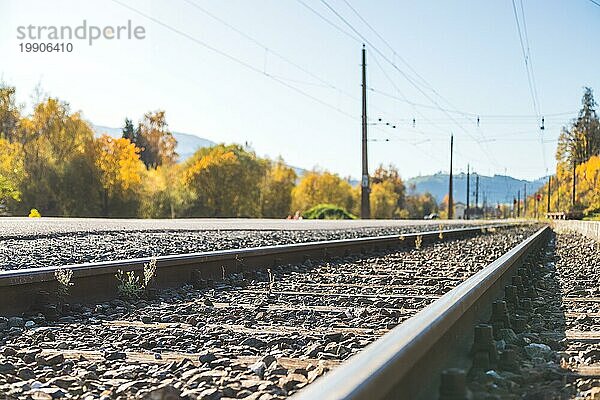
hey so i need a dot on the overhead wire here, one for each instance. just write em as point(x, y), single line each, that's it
point(396, 54)
point(234, 59)
point(405, 75)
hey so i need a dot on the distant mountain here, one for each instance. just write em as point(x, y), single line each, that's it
point(186, 144)
point(495, 189)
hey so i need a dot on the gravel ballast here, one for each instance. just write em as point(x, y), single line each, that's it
point(262, 337)
point(555, 354)
point(52, 249)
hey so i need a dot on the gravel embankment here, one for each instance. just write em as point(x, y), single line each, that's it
point(261, 337)
point(80, 247)
point(550, 357)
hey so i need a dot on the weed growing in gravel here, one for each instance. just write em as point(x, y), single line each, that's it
point(130, 286)
point(441, 235)
point(63, 277)
point(418, 242)
point(271, 281)
point(149, 271)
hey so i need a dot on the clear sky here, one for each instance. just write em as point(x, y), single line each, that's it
point(278, 75)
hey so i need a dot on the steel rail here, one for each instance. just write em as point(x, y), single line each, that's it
point(406, 362)
point(25, 289)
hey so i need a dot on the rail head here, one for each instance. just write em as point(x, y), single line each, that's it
point(374, 372)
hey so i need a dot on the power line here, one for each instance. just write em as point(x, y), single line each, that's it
point(406, 76)
point(268, 50)
point(423, 80)
point(595, 2)
point(337, 27)
point(265, 47)
point(234, 59)
point(525, 48)
point(529, 58)
point(526, 59)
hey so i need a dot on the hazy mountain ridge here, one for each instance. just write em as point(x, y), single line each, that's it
point(496, 189)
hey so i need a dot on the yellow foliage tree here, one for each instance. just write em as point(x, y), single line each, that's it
point(118, 162)
point(12, 172)
point(277, 190)
point(224, 181)
point(384, 200)
point(322, 188)
point(161, 194)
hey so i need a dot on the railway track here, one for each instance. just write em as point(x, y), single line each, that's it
point(421, 321)
point(255, 334)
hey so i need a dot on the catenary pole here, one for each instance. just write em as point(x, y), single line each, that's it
point(365, 207)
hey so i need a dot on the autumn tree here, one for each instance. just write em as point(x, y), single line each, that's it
point(224, 181)
point(276, 190)
point(130, 133)
point(391, 175)
point(322, 188)
point(387, 193)
point(10, 112)
point(162, 195)
point(384, 200)
point(120, 172)
point(581, 140)
point(420, 205)
point(12, 172)
point(156, 142)
point(57, 148)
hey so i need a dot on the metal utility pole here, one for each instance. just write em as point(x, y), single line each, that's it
point(525, 200)
point(476, 191)
point(468, 193)
point(365, 207)
point(549, 192)
point(518, 203)
point(450, 199)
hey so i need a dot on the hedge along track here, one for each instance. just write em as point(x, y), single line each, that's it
point(301, 313)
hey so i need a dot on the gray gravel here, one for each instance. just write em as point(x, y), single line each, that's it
point(250, 336)
point(56, 249)
point(19, 227)
point(544, 351)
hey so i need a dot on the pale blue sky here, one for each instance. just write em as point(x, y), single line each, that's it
point(467, 51)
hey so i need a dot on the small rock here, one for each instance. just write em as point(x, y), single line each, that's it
point(268, 359)
point(115, 355)
point(16, 322)
point(259, 368)
point(49, 360)
point(9, 352)
point(163, 392)
point(207, 357)
point(539, 350)
point(26, 373)
point(7, 368)
point(292, 380)
point(254, 342)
